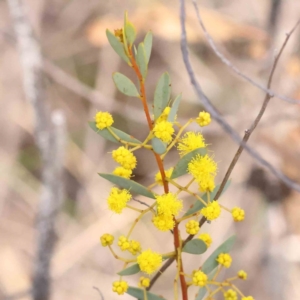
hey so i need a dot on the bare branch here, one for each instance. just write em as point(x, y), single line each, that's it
point(50, 138)
point(237, 155)
point(234, 68)
point(212, 110)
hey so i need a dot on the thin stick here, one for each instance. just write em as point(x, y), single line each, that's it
point(229, 64)
point(238, 153)
point(50, 137)
point(214, 113)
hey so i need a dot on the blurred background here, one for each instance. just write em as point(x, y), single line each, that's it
point(78, 63)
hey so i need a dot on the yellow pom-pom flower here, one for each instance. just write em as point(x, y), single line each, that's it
point(230, 295)
point(124, 157)
point(189, 142)
point(144, 282)
point(164, 115)
point(123, 243)
point(224, 259)
point(120, 171)
point(207, 184)
point(107, 239)
point(247, 298)
point(199, 278)
point(118, 199)
point(238, 214)
point(206, 238)
point(120, 287)
point(158, 178)
point(134, 247)
point(149, 261)
point(103, 120)
point(212, 211)
point(163, 222)
point(192, 227)
point(164, 131)
point(168, 204)
point(242, 274)
point(204, 119)
point(203, 169)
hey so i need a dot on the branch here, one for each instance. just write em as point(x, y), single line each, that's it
point(227, 62)
point(237, 155)
point(212, 110)
point(49, 133)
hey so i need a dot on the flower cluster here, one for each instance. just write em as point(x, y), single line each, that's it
point(118, 199)
point(203, 169)
point(190, 141)
point(149, 261)
point(103, 120)
point(161, 199)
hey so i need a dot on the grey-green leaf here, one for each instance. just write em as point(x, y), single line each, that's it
point(125, 85)
point(141, 59)
point(174, 109)
point(203, 290)
point(211, 263)
point(181, 167)
point(159, 146)
point(139, 294)
point(130, 33)
point(117, 45)
point(107, 135)
point(162, 94)
point(128, 184)
point(148, 45)
point(199, 205)
point(195, 246)
point(130, 270)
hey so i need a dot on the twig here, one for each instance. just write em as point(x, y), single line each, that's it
point(238, 153)
point(141, 202)
point(227, 62)
point(100, 293)
point(212, 110)
point(50, 136)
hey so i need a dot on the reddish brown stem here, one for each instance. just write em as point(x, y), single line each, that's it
point(160, 166)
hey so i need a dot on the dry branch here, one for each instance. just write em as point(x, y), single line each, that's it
point(50, 137)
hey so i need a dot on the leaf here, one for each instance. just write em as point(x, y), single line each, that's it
point(174, 109)
point(125, 85)
point(130, 270)
point(211, 263)
point(128, 185)
point(182, 165)
point(117, 46)
point(148, 45)
point(162, 94)
point(199, 205)
point(107, 135)
point(196, 246)
point(159, 146)
point(139, 294)
point(141, 60)
point(203, 290)
point(130, 33)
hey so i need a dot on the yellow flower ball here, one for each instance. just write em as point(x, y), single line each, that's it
point(224, 259)
point(199, 278)
point(124, 157)
point(230, 295)
point(120, 287)
point(189, 142)
point(212, 211)
point(206, 238)
point(204, 119)
point(103, 120)
point(149, 261)
point(106, 239)
point(192, 227)
point(118, 199)
point(238, 214)
point(164, 131)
